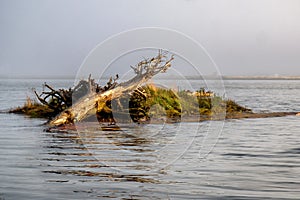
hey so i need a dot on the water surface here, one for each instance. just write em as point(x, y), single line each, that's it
point(252, 159)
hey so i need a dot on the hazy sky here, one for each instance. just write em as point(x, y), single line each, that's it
point(52, 37)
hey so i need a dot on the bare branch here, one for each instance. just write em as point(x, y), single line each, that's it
point(144, 71)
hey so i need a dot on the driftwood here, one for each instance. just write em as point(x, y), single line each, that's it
point(61, 99)
point(95, 99)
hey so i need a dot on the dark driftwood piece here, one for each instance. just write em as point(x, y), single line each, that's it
point(86, 105)
point(60, 99)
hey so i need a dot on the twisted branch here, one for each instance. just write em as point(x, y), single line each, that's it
point(144, 71)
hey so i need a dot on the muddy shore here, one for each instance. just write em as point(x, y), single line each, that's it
point(197, 118)
point(188, 119)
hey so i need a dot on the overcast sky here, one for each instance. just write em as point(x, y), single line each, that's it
point(52, 37)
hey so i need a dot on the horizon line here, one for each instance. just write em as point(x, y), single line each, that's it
point(225, 77)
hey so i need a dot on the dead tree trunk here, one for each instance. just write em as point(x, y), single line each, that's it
point(144, 71)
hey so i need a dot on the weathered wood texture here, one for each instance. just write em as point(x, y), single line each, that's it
point(85, 106)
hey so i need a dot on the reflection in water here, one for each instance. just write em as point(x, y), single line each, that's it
point(72, 148)
point(136, 155)
point(83, 157)
point(106, 176)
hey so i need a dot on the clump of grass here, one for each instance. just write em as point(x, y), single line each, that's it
point(177, 104)
point(149, 101)
point(189, 103)
point(141, 102)
point(233, 107)
point(34, 109)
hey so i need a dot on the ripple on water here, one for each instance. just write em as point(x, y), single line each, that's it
point(253, 159)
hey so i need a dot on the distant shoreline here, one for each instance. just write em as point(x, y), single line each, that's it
point(244, 78)
point(173, 78)
point(261, 77)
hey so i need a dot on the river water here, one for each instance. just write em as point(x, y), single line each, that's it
point(235, 159)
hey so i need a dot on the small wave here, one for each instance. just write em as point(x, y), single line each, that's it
point(246, 155)
point(292, 151)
